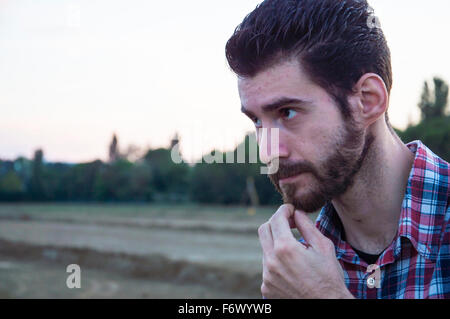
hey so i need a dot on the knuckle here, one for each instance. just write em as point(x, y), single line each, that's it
point(261, 229)
point(264, 290)
point(328, 245)
point(271, 219)
point(283, 249)
point(287, 207)
point(267, 277)
point(283, 210)
point(271, 267)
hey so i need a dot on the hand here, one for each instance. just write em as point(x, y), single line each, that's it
point(293, 270)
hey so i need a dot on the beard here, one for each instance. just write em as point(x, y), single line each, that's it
point(333, 176)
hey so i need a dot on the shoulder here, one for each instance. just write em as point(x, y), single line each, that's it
point(429, 178)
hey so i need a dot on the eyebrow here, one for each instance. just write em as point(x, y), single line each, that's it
point(274, 105)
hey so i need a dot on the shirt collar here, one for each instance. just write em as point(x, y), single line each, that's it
point(425, 203)
point(423, 208)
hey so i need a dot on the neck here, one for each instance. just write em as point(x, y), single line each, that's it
point(370, 209)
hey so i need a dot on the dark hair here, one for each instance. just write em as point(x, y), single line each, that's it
point(336, 42)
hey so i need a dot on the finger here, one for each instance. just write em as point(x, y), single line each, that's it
point(279, 223)
point(265, 238)
point(307, 229)
point(269, 291)
point(291, 222)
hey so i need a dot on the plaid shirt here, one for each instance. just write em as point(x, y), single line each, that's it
point(417, 263)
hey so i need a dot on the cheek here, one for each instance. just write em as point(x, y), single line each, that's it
point(314, 142)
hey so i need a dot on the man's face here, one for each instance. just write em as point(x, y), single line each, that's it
point(319, 152)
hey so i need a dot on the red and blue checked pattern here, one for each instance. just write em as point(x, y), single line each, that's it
point(417, 263)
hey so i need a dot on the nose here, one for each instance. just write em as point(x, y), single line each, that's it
point(270, 145)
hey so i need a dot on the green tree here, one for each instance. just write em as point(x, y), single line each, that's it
point(434, 133)
point(228, 183)
point(169, 179)
point(37, 187)
point(73, 182)
point(114, 153)
point(434, 127)
point(141, 188)
point(222, 183)
point(11, 187)
point(112, 182)
point(433, 104)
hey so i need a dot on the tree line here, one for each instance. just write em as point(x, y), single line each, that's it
point(154, 177)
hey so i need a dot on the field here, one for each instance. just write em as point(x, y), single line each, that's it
point(130, 251)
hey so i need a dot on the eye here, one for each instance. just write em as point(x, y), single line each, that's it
point(257, 122)
point(288, 113)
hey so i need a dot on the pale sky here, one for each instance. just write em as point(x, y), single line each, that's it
point(73, 72)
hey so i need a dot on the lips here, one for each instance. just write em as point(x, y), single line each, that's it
point(289, 179)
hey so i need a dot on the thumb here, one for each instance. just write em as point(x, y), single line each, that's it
point(307, 229)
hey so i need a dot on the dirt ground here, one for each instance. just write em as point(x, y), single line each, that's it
point(45, 280)
point(130, 251)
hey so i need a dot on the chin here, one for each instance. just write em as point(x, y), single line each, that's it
point(308, 201)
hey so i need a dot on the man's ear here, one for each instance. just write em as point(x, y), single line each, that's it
point(372, 98)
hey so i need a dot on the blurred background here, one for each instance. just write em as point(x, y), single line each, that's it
point(93, 96)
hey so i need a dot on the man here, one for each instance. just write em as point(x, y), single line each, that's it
point(319, 72)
